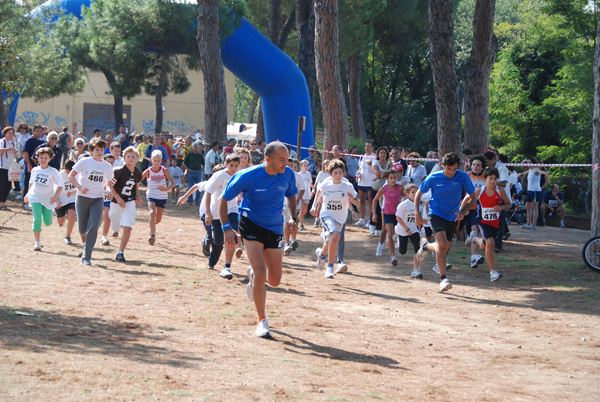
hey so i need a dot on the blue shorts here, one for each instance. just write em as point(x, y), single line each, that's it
point(389, 218)
point(159, 203)
point(107, 204)
point(534, 196)
point(365, 189)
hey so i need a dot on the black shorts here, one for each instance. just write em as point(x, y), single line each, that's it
point(441, 225)
point(487, 231)
point(403, 242)
point(251, 231)
point(389, 218)
point(62, 211)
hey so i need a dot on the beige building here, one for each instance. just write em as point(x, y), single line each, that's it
point(93, 108)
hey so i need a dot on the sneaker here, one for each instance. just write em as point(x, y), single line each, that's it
point(470, 239)
point(120, 257)
point(14, 192)
point(360, 223)
point(301, 227)
point(115, 234)
point(329, 271)
point(19, 197)
point(68, 241)
point(316, 224)
point(378, 233)
point(379, 251)
point(238, 252)
point(209, 265)
point(533, 227)
point(394, 261)
point(151, 240)
point(105, 241)
point(320, 258)
point(173, 202)
point(262, 329)
point(435, 269)
point(477, 259)
point(250, 283)
point(445, 285)
point(372, 229)
point(26, 207)
point(37, 246)
point(526, 226)
point(287, 250)
point(422, 253)
point(506, 236)
point(341, 268)
point(495, 275)
point(454, 240)
point(226, 273)
point(294, 244)
point(416, 274)
point(206, 248)
point(448, 266)
point(85, 262)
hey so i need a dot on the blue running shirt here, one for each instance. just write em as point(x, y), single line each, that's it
point(263, 195)
point(446, 193)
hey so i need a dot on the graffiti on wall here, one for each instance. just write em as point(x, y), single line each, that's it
point(31, 118)
point(178, 127)
point(59, 122)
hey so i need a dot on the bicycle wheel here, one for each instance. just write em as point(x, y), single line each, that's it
point(591, 253)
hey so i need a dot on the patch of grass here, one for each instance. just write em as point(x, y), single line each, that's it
point(175, 283)
point(178, 392)
point(374, 396)
point(534, 283)
point(272, 315)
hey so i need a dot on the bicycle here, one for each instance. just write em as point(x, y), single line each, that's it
point(591, 253)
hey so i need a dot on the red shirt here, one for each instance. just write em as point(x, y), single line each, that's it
point(487, 203)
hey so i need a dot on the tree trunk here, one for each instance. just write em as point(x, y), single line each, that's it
point(274, 20)
point(209, 45)
point(305, 25)
point(445, 82)
point(252, 108)
point(331, 91)
point(158, 99)
point(596, 142)
point(477, 77)
point(260, 125)
point(353, 68)
point(118, 107)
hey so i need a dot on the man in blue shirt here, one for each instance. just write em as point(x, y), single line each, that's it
point(264, 188)
point(156, 145)
point(446, 188)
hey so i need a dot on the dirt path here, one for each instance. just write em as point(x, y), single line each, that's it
point(163, 327)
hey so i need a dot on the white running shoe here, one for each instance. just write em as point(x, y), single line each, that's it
point(435, 269)
point(445, 285)
point(105, 241)
point(341, 268)
point(477, 259)
point(19, 197)
point(238, 252)
point(250, 283)
point(37, 246)
point(379, 251)
point(226, 273)
point(320, 258)
point(495, 275)
point(372, 229)
point(394, 261)
point(262, 329)
point(526, 226)
point(287, 250)
point(422, 253)
point(68, 241)
point(360, 223)
point(470, 239)
point(329, 271)
point(316, 222)
point(416, 274)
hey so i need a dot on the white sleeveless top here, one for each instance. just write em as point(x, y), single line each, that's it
point(156, 180)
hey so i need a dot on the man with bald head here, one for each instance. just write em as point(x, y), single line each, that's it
point(264, 188)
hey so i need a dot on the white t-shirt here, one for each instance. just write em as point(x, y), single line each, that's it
point(366, 174)
point(534, 180)
point(335, 199)
point(425, 211)
point(202, 188)
point(7, 158)
point(176, 173)
point(44, 183)
point(63, 198)
point(156, 180)
point(416, 175)
point(118, 163)
point(307, 179)
point(406, 212)
point(211, 161)
point(215, 186)
point(503, 170)
point(93, 176)
point(321, 177)
point(300, 186)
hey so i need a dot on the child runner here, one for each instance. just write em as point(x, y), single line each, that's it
point(307, 178)
point(215, 187)
point(245, 163)
point(66, 202)
point(323, 174)
point(176, 173)
point(89, 176)
point(447, 188)
point(407, 228)
point(158, 192)
point(125, 189)
point(115, 151)
point(392, 194)
point(264, 188)
point(106, 202)
point(471, 222)
point(488, 200)
point(293, 244)
point(45, 186)
point(336, 194)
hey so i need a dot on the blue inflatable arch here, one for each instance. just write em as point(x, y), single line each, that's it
point(261, 65)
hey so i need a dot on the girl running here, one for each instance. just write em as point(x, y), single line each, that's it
point(89, 176)
point(470, 222)
point(66, 202)
point(392, 194)
point(407, 228)
point(336, 195)
point(45, 186)
point(158, 192)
